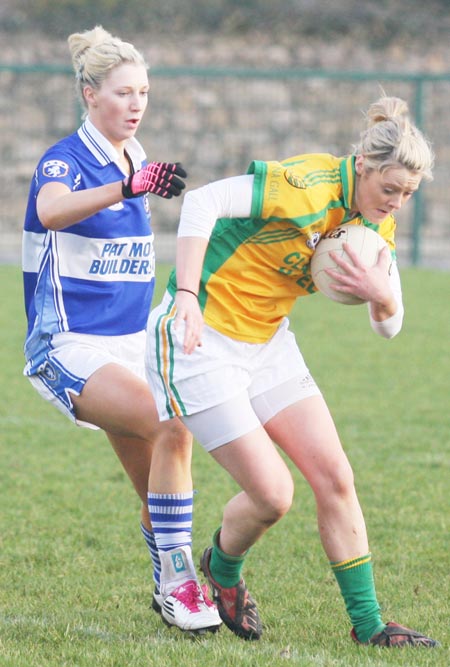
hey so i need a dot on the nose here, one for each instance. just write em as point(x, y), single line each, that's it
point(136, 102)
point(396, 200)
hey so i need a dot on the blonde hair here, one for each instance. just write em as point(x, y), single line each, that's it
point(95, 53)
point(392, 140)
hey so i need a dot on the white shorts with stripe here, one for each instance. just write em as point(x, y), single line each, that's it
point(71, 358)
point(226, 387)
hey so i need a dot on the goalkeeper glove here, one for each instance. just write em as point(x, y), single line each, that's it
point(158, 178)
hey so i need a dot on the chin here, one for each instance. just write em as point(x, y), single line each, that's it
point(376, 219)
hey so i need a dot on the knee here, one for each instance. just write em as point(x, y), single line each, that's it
point(175, 436)
point(337, 481)
point(277, 501)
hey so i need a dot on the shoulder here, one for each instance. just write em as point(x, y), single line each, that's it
point(71, 147)
point(66, 155)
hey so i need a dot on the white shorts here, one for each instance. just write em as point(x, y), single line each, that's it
point(226, 387)
point(72, 358)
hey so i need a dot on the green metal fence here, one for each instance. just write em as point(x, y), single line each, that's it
point(217, 120)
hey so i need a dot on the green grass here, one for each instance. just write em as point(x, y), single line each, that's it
point(75, 580)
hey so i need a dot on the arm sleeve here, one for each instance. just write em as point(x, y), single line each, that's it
point(390, 327)
point(227, 198)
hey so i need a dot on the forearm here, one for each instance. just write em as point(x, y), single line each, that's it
point(68, 208)
point(189, 262)
point(386, 316)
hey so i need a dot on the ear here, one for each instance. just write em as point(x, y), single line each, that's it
point(89, 95)
point(359, 164)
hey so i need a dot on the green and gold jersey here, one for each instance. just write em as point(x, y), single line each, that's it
point(256, 267)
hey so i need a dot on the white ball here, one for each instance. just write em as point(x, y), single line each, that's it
point(364, 241)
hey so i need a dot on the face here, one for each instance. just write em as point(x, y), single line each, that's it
point(117, 107)
point(379, 194)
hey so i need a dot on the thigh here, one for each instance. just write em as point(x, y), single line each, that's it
point(233, 435)
point(223, 423)
point(84, 376)
point(119, 402)
point(254, 463)
point(306, 432)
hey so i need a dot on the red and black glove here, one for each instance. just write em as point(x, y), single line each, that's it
point(157, 178)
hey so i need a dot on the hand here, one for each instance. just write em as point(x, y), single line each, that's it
point(369, 283)
point(189, 313)
point(157, 178)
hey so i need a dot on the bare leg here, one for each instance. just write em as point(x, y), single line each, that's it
point(254, 463)
point(306, 432)
point(122, 405)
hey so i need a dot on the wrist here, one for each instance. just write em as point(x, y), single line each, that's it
point(189, 291)
point(127, 190)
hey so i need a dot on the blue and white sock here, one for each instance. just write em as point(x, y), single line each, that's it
point(149, 538)
point(171, 517)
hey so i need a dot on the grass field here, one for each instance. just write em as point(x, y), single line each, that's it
point(75, 581)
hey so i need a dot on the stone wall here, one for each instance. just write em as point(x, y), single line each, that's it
point(216, 124)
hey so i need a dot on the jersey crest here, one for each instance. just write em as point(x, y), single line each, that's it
point(55, 169)
point(294, 180)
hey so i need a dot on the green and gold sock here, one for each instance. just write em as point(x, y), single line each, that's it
point(225, 569)
point(355, 579)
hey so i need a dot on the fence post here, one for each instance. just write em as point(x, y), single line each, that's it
point(419, 208)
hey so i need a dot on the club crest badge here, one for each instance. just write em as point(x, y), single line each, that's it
point(313, 240)
point(55, 169)
point(49, 372)
point(294, 180)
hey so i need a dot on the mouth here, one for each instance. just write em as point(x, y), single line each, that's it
point(381, 213)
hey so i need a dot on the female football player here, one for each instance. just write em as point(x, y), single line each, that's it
point(222, 358)
point(89, 266)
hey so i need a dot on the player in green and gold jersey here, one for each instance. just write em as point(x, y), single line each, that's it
point(221, 356)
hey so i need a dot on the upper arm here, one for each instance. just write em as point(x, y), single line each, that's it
point(47, 195)
point(227, 198)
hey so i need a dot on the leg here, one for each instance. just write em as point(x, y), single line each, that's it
point(121, 403)
point(306, 432)
point(267, 490)
point(254, 463)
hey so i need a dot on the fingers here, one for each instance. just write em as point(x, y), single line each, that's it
point(179, 171)
point(188, 315)
point(345, 264)
point(169, 179)
point(176, 186)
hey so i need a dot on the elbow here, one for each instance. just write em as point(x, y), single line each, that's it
point(47, 222)
point(47, 218)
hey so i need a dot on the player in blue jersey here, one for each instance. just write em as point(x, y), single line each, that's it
point(89, 271)
point(222, 358)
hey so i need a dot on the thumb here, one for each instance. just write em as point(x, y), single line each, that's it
point(384, 258)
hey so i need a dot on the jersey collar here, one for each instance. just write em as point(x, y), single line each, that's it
point(104, 151)
point(348, 177)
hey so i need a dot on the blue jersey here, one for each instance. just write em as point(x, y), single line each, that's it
point(96, 276)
